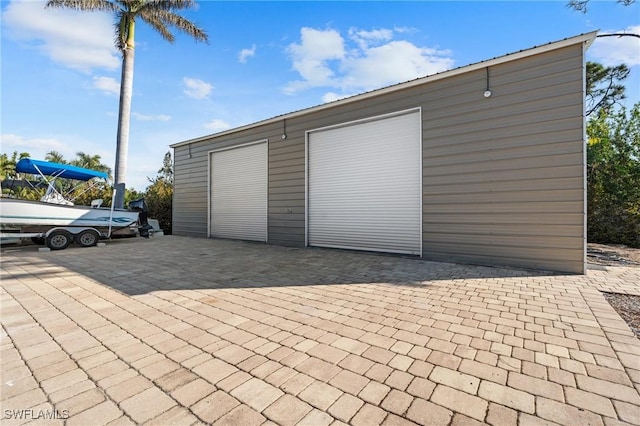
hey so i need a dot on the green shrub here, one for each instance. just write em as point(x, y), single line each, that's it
point(613, 177)
point(159, 195)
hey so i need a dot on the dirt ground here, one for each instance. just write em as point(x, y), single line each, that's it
point(627, 306)
point(613, 255)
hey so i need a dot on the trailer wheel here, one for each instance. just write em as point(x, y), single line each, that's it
point(87, 238)
point(58, 240)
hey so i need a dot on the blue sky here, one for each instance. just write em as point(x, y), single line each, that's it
point(60, 71)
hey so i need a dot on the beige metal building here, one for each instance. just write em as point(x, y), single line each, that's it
point(483, 164)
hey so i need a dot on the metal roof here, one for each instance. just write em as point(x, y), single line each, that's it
point(586, 38)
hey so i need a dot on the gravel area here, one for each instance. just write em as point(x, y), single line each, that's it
point(627, 305)
point(613, 255)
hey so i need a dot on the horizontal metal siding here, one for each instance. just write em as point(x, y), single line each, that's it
point(189, 214)
point(286, 189)
point(521, 257)
point(504, 176)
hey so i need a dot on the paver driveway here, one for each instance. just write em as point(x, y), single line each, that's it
point(176, 330)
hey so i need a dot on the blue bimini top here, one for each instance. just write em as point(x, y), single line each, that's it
point(66, 171)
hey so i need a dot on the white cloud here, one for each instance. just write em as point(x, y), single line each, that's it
point(66, 144)
point(196, 89)
point(404, 29)
point(368, 60)
point(332, 96)
point(391, 63)
point(246, 53)
point(365, 38)
point(217, 125)
point(108, 85)
point(78, 40)
point(150, 117)
point(611, 51)
point(311, 57)
point(37, 147)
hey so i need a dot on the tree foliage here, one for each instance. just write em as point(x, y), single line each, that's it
point(159, 195)
point(613, 177)
point(8, 164)
point(581, 5)
point(604, 86)
point(17, 184)
point(90, 162)
point(55, 157)
point(64, 186)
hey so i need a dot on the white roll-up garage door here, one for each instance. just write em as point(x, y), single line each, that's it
point(239, 192)
point(365, 186)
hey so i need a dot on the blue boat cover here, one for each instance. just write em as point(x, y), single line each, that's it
point(27, 165)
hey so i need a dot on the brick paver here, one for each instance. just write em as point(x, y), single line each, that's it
point(176, 330)
point(147, 404)
point(287, 410)
point(214, 406)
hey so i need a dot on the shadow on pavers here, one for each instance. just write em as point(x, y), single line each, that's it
point(136, 265)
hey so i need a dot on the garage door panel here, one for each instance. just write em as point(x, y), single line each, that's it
point(364, 183)
point(239, 193)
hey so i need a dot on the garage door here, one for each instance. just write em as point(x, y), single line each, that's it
point(239, 192)
point(364, 185)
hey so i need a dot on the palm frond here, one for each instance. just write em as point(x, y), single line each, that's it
point(121, 30)
point(159, 26)
point(132, 6)
point(171, 4)
point(98, 5)
point(157, 17)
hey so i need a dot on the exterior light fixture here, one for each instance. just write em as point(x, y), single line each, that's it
point(487, 93)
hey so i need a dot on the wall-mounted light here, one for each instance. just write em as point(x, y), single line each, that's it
point(189, 146)
point(487, 92)
point(284, 128)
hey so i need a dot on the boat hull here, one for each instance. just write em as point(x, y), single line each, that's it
point(34, 216)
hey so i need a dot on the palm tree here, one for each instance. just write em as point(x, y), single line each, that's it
point(55, 157)
point(8, 165)
point(90, 162)
point(160, 15)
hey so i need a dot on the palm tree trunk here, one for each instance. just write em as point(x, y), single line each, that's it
point(124, 117)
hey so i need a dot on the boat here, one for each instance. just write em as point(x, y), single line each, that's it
point(55, 220)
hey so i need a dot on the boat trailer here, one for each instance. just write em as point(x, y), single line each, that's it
point(60, 237)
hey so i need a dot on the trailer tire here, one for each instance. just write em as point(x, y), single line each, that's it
point(87, 238)
point(58, 240)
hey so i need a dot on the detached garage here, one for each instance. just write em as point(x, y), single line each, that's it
point(483, 164)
